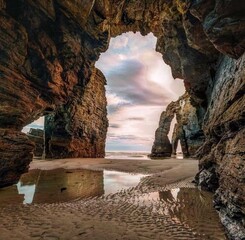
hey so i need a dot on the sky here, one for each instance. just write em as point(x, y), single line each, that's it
point(139, 87)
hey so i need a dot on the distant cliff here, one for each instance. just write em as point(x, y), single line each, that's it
point(187, 130)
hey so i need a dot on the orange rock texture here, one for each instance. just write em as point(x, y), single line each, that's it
point(78, 128)
point(47, 54)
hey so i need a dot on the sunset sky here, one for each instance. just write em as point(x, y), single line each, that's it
point(139, 87)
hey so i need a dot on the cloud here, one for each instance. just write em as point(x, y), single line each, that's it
point(132, 84)
point(137, 73)
point(136, 118)
point(114, 125)
point(139, 87)
point(135, 125)
point(119, 43)
point(113, 99)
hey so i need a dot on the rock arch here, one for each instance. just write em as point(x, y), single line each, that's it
point(48, 50)
point(187, 129)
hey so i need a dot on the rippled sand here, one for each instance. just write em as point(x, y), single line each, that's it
point(161, 206)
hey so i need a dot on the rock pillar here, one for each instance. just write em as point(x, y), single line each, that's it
point(187, 129)
point(162, 146)
point(78, 128)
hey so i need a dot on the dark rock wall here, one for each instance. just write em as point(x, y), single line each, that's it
point(162, 146)
point(16, 154)
point(78, 128)
point(187, 130)
point(222, 155)
point(48, 50)
point(45, 51)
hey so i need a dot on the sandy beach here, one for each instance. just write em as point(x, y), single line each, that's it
point(163, 172)
point(149, 210)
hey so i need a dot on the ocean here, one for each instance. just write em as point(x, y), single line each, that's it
point(128, 155)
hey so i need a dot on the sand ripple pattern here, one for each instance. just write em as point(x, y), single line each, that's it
point(144, 212)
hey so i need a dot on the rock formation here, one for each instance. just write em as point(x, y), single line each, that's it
point(16, 154)
point(162, 146)
point(78, 128)
point(37, 136)
point(222, 166)
point(187, 130)
point(48, 50)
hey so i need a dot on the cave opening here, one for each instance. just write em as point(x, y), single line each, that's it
point(139, 87)
point(35, 132)
point(175, 139)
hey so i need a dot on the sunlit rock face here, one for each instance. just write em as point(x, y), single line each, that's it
point(187, 130)
point(78, 128)
point(16, 154)
point(48, 50)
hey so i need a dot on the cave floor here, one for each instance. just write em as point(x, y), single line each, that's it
point(157, 200)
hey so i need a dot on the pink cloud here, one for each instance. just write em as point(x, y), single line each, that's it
point(140, 86)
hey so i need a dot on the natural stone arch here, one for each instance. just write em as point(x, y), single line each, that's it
point(48, 47)
point(58, 44)
point(188, 130)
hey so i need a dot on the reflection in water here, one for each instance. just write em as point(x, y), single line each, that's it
point(10, 195)
point(49, 186)
point(188, 206)
point(60, 185)
point(193, 208)
point(27, 190)
point(115, 181)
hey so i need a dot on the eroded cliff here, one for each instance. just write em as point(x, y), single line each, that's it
point(187, 130)
point(78, 128)
point(222, 166)
point(47, 55)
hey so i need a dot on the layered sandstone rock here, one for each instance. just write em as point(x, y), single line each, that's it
point(44, 54)
point(222, 156)
point(223, 24)
point(187, 130)
point(78, 128)
point(16, 154)
point(37, 136)
point(48, 50)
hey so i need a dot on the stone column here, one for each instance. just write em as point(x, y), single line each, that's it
point(78, 128)
point(162, 146)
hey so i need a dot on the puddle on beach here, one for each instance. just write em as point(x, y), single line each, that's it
point(62, 185)
point(189, 207)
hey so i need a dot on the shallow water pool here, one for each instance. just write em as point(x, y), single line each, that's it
point(188, 208)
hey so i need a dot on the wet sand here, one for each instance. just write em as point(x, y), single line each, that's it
point(163, 172)
point(146, 211)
